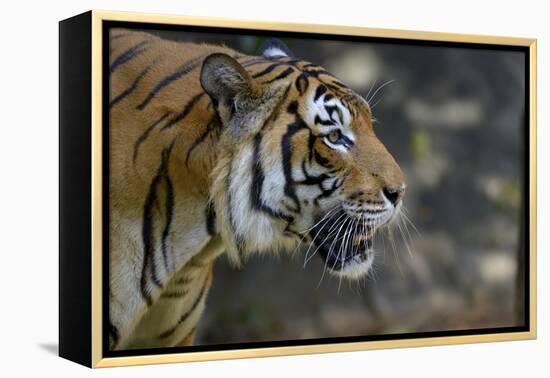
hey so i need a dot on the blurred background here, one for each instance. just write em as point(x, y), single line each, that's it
point(453, 117)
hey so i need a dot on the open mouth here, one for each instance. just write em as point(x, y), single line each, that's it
point(343, 241)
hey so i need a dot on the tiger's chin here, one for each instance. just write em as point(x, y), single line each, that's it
point(345, 244)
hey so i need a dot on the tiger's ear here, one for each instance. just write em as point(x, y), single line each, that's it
point(272, 48)
point(222, 77)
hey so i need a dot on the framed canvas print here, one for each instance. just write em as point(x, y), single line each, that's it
point(234, 189)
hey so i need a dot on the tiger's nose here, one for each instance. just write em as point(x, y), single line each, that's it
point(394, 195)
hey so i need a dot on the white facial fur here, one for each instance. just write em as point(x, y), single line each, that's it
point(340, 119)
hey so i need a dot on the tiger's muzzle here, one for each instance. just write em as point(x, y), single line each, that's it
point(345, 240)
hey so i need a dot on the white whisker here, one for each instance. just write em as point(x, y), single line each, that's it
point(408, 220)
point(404, 239)
point(378, 90)
point(330, 249)
point(394, 249)
point(402, 220)
point(306, 259)
point(336, 224)
point(371, 88)
point(319, 222)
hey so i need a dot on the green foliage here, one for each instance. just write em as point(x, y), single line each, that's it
point(509, 195)
point(249, 44)
point(420, 144)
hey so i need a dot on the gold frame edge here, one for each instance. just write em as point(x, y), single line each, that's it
point(533, 187)
point(97, 199)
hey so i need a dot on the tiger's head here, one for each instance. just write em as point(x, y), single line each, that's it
point(299, 162)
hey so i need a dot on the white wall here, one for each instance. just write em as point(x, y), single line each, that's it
point(28, 151)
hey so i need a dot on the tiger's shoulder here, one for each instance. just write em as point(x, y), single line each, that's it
point(147, 67)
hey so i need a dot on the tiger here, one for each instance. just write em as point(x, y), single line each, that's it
point(216, 152)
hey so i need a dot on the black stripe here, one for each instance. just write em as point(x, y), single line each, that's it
point(342, 139)
point(333, 88)
point(327, 193)
point(254, 62)
point(321, 89)
point(210, 218)
point(286, 148)
point(184, 69)
point(311, 144)
point(346, 141)
point(258, 175)
point(277, 110)
point(310, 179)
point(331, 109)
point(148, 244)
point(257, 185)
point(310, 65)
point(149, 263)
point(302, 83)
point(144, 136)
point(169, 209)
point(339, 84)
point(321, 71)
point(184, 317)
point(186, 110)
point(280, 76)
point(266, 70)
point(264, 60)
point(292, 62)
point(239, 242)
point(131, 88)
point(127, 55)
point(325, 122)
point(201, 138)
point(322, 161)
point(114, 335)
point(292, 108)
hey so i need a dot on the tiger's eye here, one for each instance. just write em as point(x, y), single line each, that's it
point(333, 136)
